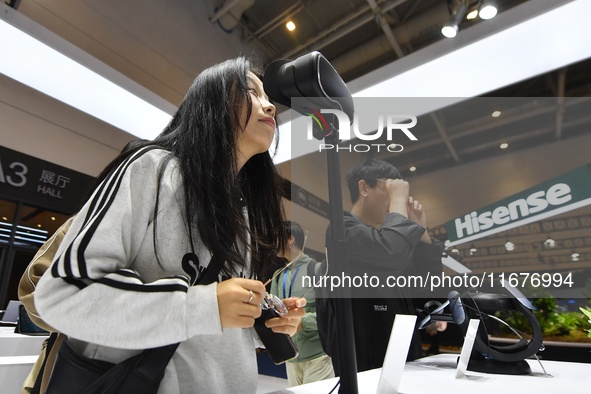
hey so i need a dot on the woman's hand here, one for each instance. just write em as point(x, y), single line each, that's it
point(237, 309)
point(290, 323)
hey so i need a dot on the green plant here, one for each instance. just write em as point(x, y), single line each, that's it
point(567, 326)
point(587, 313)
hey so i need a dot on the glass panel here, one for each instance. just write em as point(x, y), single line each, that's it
point(35, 225)
point(7, 212)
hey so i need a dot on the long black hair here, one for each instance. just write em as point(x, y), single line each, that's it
point(202, 135)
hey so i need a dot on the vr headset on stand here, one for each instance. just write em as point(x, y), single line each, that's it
point(487, 357)
point(316, 85)
point(312, 80)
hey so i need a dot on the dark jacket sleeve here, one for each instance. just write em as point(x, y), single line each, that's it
point(389, 249)
point(427, 258)
point(426, 262)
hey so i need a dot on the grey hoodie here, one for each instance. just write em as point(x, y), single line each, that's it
point(107, 291)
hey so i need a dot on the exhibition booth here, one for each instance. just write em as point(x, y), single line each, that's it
point(508, 238)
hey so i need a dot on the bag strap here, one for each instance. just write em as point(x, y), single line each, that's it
point(153, 362)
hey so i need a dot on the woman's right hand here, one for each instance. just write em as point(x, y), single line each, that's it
point(233, 302)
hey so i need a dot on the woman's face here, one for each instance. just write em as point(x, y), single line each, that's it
point(257, 134)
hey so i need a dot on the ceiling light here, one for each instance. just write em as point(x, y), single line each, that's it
point(53, 218)
point(509, 246)
point(290, 26)
point(575, 256)
point(472, 14)
point(496, 114)
point(449, 31)
point(488, 11)
point(451, 28)
point(412, 169)
point(549, 243)
point(504, 145)
point(454, 250)
point(4, 218)
point(473, 251)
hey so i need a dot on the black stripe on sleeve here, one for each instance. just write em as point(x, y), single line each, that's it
point(114, 184)
point(142, 288)
point(78, 283)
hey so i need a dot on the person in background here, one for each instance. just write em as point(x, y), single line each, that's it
point(385, 233)
point(312, 364)
point(125, 276)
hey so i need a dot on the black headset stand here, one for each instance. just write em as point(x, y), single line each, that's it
point(337, 256)
point(479, 363)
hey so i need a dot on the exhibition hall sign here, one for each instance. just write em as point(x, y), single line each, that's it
point(40, 183)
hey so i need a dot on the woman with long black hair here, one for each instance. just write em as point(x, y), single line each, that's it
point(125, 277)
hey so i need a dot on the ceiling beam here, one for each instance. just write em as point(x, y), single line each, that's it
point(345, 26)
point(410, 10)
point(383, 24)
point(485, 123)
point(477, 148)
point(561, 87)
point(224, 10)
point(441, 129)
point(276, 22)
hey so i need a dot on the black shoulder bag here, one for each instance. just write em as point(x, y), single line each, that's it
point(74, 373)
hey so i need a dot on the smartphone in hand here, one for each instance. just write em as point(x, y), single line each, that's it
point(280, 346)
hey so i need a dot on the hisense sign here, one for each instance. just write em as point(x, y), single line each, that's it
point(473, 223)
point(562, 194)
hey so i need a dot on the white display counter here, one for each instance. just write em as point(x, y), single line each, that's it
point(18, 353)
point(436, 374)
point(13, 372)
point(12, 344)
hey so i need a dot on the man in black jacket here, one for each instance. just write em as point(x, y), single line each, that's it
point(386, 235)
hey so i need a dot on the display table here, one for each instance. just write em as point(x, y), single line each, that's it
point(13, 372)
point(12, 344)
point(436, 374)
point(18, 353)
